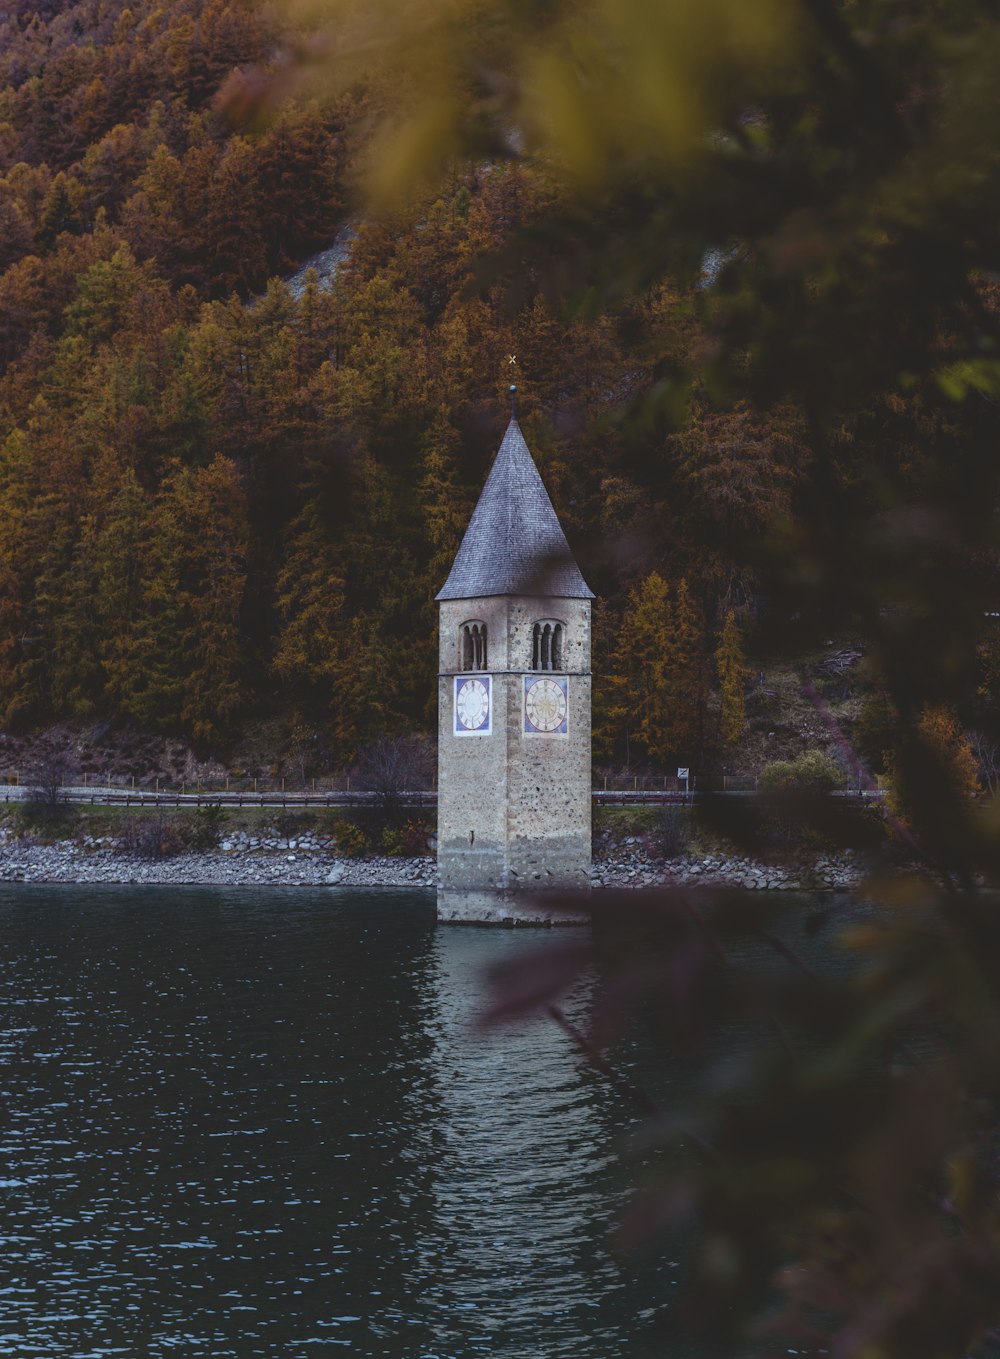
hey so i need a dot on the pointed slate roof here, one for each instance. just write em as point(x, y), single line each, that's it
point(514, 544)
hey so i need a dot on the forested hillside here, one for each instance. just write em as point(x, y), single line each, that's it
point(219, 501)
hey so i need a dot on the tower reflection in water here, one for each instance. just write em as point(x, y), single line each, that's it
point(527, 1178)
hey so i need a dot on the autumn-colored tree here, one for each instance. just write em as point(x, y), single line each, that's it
point(940, 730)
point(310, 598)
point(685, 676)
point(635, 698)
point(113, 164)
point(607, 712)
point(232, 247)
point(112, 563)
point(179, 665)
point(104, 292)
point(446, 510)
point(16, 236)
point(314, 327)
point(201, 527)
point(44, 486)
point(736, 472)
point(876, 730)
point(60, 211)
point(296, 163)
point(25, 306)
point(931, 781)
point(733, 673)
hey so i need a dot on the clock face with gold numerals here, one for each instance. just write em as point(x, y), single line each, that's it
point(472, 705)
point(546, 706)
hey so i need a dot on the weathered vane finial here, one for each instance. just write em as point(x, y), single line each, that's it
point(512, 389)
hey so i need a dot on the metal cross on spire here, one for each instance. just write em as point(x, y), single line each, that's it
point(512, 389)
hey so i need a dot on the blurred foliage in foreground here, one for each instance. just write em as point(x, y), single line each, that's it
point(823, 179)
point(829, 1172)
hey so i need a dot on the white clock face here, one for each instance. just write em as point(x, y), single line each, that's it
point(545, 705)
point(472, 705)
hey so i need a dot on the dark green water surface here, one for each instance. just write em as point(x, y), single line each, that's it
point(242, 1123)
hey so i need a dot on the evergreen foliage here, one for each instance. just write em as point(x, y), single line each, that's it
point(733, 673)
point(655, 690)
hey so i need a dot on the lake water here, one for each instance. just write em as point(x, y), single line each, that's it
point(241, 1123)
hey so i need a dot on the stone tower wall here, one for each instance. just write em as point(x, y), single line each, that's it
point(514, 809)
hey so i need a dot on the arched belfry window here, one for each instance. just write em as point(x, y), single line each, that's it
point(473, 641)
point(547, 645)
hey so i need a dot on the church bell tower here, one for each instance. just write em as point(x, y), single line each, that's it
point(514, 690)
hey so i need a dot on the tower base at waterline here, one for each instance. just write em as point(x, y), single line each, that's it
point(492, 906)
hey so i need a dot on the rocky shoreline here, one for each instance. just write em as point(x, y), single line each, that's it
point(632, 865)
point(306, 861)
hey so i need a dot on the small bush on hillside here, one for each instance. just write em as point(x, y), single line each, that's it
point(351, 839)
point(414, 836)
point(762, 703)
point(392, 841)
point(45, 808)
point(58, 822)
point(796, 804)
point(204, 831)
point(292, 824)
point(813, 772)
point(48, 781)
point(153, 837)
point(621, 821)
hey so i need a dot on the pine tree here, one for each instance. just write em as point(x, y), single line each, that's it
point(181, 667)
point(637, 698)
point(445, 510)
point(104, 292)
point(310, 599)
point(733, 673)
point(59, 212)
point(113, 560)
point(877, 730)
point(16, 237)
point(233, 248)
point(609, 712)
point(682, 675)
